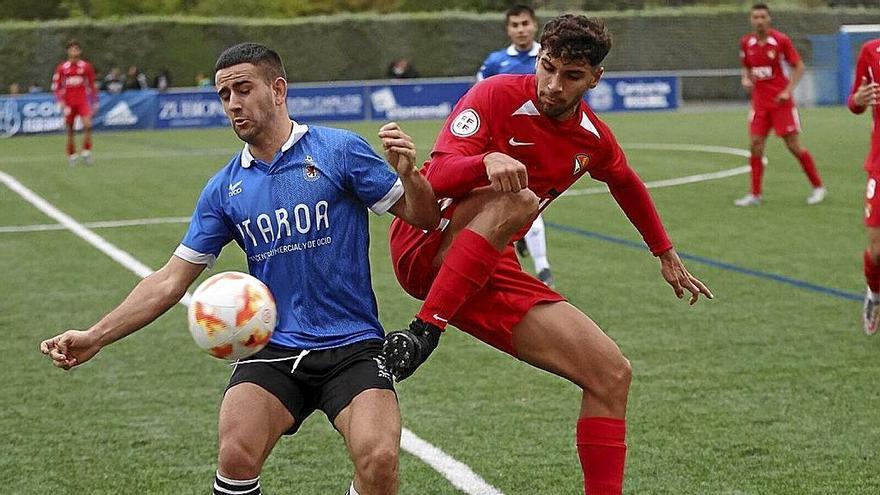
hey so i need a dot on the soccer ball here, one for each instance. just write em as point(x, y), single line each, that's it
point(232, 315)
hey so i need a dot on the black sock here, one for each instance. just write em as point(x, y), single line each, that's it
point(226, 486)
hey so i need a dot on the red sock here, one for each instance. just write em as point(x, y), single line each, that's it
point(872, 273)
point(87, 143)
point(757, 164)
point(71, 148)
point(602, 449)
point(809, 166)
point(465, 270)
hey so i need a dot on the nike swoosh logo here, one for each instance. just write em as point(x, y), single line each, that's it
point(233, 187)
point(514, 142)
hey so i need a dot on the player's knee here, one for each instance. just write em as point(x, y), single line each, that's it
point(521, 206)
point(874, 249)
point(612, 384)
point(379, 463)
point(237, 461)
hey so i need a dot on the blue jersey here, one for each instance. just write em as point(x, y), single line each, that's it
point(510, 61)
point(302, 222)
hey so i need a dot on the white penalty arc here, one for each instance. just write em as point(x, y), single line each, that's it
point(678, 181)
point(457, 473)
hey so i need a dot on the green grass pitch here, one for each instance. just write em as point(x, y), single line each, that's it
point(769, 389)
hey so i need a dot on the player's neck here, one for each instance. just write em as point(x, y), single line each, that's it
point(527, 48)
point(265, 149)
point(762, 35)
point(73, 60)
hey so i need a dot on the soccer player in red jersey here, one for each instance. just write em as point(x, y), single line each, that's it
point(866, 93)
point(762, 52)
point(74, 88)
point(512, 145)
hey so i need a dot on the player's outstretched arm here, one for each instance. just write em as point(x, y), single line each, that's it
point(152, 297)
point(417, 206)
point(676, 275)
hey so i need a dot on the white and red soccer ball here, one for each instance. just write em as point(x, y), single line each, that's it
point(232, 315)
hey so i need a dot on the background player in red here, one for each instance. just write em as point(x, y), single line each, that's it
point(762, 52)
point(74, 87)
point(866, 93)
point(512, 145)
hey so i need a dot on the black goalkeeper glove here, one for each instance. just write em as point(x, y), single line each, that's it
point(405, 350)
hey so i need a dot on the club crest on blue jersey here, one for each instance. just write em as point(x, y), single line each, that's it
point(310, 171)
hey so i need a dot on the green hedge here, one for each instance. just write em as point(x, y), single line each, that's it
point(352, 47)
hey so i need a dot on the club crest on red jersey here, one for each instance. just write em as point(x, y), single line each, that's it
point(310, 171)
point(467, 123)
point(580, 163)
point(771, 54)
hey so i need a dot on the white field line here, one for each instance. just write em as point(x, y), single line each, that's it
point(40, 227)
point(678, 181)
point(124, 155)
point(459, 474)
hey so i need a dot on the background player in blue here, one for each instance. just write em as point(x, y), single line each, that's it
point(295, 199)
point(520, 58)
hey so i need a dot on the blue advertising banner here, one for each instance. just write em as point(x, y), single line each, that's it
point(326, 102)
point(409, 101)
point(366, 100)
point(197, 108)
point(614, 94)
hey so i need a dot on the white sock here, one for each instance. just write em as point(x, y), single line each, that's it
point(537, 244)
point(352, 491)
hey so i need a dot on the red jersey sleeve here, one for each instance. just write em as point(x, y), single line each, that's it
point(862, 65)
point(632, 196)
point(90, 83)
point(742, 52)
point(57, 80)
point(787, 48)
point(456, 166)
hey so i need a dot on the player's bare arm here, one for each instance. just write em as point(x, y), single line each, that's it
point(677, 275)
point(152, 297)
point(868, 94)
point(746, 79)
point(417, 206)
point(506, 174)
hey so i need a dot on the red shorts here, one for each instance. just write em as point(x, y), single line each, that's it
point(74, 108)
point(783, 119)
point(872, 201)
point(494, 310)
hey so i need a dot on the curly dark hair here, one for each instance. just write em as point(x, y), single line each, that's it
point(576, 37)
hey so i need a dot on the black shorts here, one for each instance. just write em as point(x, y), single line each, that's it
point(321, 379)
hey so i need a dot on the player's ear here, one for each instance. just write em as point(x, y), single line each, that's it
point(597, 75)
point(279, 90)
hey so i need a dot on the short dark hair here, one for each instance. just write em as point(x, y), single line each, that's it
point(576, 37)
point(253, 53)
point(761, 6)
point(518, 10)
point(72, 42)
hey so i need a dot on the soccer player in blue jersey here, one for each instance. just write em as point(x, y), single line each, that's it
point(295, 199)
point(520, 58)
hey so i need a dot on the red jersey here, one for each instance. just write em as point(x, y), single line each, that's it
point(73, 82)
point(868, 66)
point(499, 114)
point(763, 59)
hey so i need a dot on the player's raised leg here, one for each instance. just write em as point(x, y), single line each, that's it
point(251, 422)
point(793, 143)
point(559, 338)
point(370, 425)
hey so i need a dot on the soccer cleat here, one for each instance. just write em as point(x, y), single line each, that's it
point(87, 157)
point(871, 313)
point(817, 196)
point(71, 159)
point(546, 276)
point(406, 350)
point(522, 249)
point(748, 200)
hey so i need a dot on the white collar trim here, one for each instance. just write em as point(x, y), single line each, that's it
point(536, 47)
point(297, 131)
